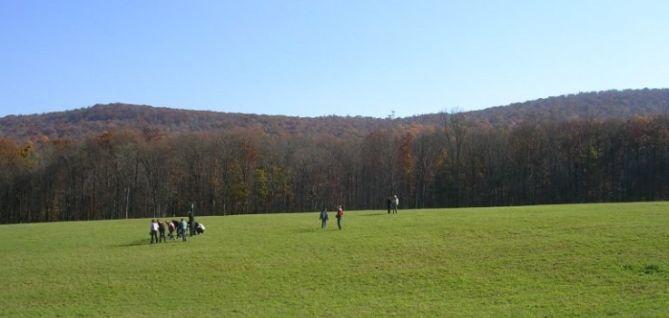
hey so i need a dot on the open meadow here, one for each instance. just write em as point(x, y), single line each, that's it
point(559, 260)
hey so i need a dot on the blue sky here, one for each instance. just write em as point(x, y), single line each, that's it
point(312, 58)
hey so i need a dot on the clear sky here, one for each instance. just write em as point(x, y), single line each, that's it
point(311, 58)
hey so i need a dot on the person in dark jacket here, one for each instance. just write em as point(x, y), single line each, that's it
point(177, 225)
point(324, 219)
point(161, 230)
point(389, 203)
point(191, 223)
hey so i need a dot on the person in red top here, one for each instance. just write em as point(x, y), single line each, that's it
point(340, 215)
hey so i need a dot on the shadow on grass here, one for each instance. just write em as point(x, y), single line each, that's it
point(306, 229)
point(134, 243)
point(374, 214)
point(141, 242)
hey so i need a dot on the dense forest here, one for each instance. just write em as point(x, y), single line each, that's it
point(122, 161)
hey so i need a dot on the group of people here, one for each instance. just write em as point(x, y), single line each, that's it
point(392, 203)
point(158, 229)
point(324, 217)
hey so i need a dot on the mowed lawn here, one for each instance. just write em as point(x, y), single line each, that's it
point(561, 260)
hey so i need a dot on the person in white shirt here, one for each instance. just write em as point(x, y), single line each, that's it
point(200, 228)
point(154, 231)
point(182, 229)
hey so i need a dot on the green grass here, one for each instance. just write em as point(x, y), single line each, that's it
point(561, 260)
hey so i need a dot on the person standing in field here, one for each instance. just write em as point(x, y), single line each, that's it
point(177, 224)
point(389, 203)
point(161, 231)
point(170, 228)
point(153, 231)
point(396, 203)
point(324, 219)
point(340, 215)
point(182, 229)
point(191, 223)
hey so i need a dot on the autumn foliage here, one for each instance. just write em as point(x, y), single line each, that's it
point(264, 164)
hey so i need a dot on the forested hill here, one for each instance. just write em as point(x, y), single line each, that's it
point(603, 105)
point(101, 118)
point(115, 161)
point(599, 105)
point(98, 119)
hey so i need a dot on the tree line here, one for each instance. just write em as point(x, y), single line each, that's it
point(149, 173)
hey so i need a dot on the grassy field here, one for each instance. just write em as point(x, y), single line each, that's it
point(562, 260)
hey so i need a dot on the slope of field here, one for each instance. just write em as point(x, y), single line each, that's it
point(563, 260)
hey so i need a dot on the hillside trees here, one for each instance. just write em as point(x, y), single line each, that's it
point(98, 119)
point(153, 173)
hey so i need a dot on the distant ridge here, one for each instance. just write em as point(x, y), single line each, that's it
point(99, 118)
point(611, 104)
point(596, 105)
point(117, 116)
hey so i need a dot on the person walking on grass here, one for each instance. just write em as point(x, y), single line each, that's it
point(153, 231)
point(182, 229)
point(340, 216)
point(396, 203)
point(324, 219)
point(161, 231)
